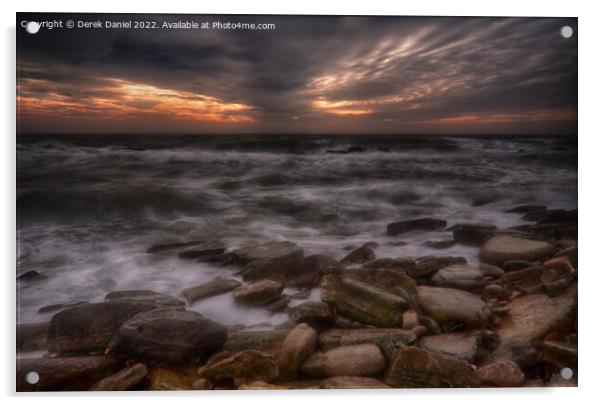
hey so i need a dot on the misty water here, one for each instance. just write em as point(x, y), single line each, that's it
point(89, 206)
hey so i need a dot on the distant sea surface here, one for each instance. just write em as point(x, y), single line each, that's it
point(90, 205)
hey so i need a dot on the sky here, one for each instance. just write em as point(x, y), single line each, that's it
point(311, 74)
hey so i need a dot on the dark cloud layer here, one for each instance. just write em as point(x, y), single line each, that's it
point(310, 74)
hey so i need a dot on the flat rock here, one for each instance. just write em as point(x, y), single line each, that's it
point(387, 339)
point(300, 343)
point(354, 360)
point(170, 335)
point(316, 314)
point(362, 302)
point(500, 249)
point(413, 367)
point(169, 246)
point(527, 280)
point(501, 374)
point(258, 293)
point(420, 224)
point(460, 276)
point(464, 346)
point(203, 249)
point(123, 380)
point(269, 340)
point(64, 373)
point(393, 281)
point(241, 368)
point(450, 305)
point(145, 297)
point(267, 251)
point(347, 382)
point(213, 287)
point(292, 271)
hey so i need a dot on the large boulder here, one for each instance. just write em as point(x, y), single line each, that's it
point(299, 344)
point(499, 249)
point(91, 327)
point(420, 224)
point(354, 360)
point(241, 368)
point(64, 373)
point(388, 340)
point(465, 346)
point(170, 335)
point(460, 276)
point(123, 380)
point(417, 368)
point(213, 287)
point(292, 271)
point(267, 251)
point(447, 305)
point(363, 302)
point(347, 382)
point(258, 293)
point(501, 374)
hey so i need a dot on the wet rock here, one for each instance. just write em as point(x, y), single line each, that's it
point(410, 319)
point(514, 265)
point(527, 280)
point(417, 368)
point(450, 305)
point(258, 293)
point(440, 244)
point(561, 353)
point(553, 216)
point(213, 287)
point(32, 336)
point(360, 255)
point(91, 327)
point(561, 263)
point(491, 271)
point(501, 374)
point(59, 307)
point(269, 340)
point(548, 232)
point(420, 330)
point(394, 281)
point(123, 380)
point(432, 326)
point(473, 234)
point(362, 302)
point(162, 247)
point(316, 314)
point(522, 209)
point(427, 266)
point(354, 360)
point(170, 335)
point(145, 297)
point(493, 290)
point(267, 251)
point(346, 382)
point(279, 305)
point(295, 271)
point(241, 368)
point(420, 224)
point(500, 249)
point(388, 340)
point(64, 373)
point(204, 249)
point(460, 276)
point(32, 275)
point(168, 379)
point(464, 346)
point(299, 344)
point(399, 264)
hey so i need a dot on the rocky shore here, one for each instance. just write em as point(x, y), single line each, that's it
point(401, 322)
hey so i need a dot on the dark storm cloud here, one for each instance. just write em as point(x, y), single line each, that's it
point(328, 74)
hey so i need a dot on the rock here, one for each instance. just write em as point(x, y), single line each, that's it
point(460, 276)
point(464, 346)
point(267, 251)
point(360, 255)
point(493, 290)
point(553, 216)
point(388, 340)
point(501, 374)
point(491, 271)
point(260, 385)
point(400, 264)
point(269, 340)
point(204, 249)
point(432, 326)
point(561, 263)
point(64, 373)
point(258, 293)
point(522, 209)
point(299, 344)
point(527, 280)
point(241, 368)
point(170, 335)
point(294, 271)
point(168, 379)
point(450, 305)
point(161, 247)
point(420, 330)
point(417, 368)
point(410, 319)
point(32, 336)
point(59, 307)
point(561, 353)
point(473, 234)
point(317, 314)
point(548, 232)
point(278, 306)
point(213, 287)
point(439, 244)
point(362, 302)
point(427, 266)
point(514, 265)
point(145, 296)
point(394, 281)
point(91, 328)
point(499, 249)
point(32, 275)
point(124, 380)
point(354, 360)
point(346, 382)
point(421, 224)
point(202, 384)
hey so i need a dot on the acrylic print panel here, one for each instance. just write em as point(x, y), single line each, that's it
point(213, 202)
